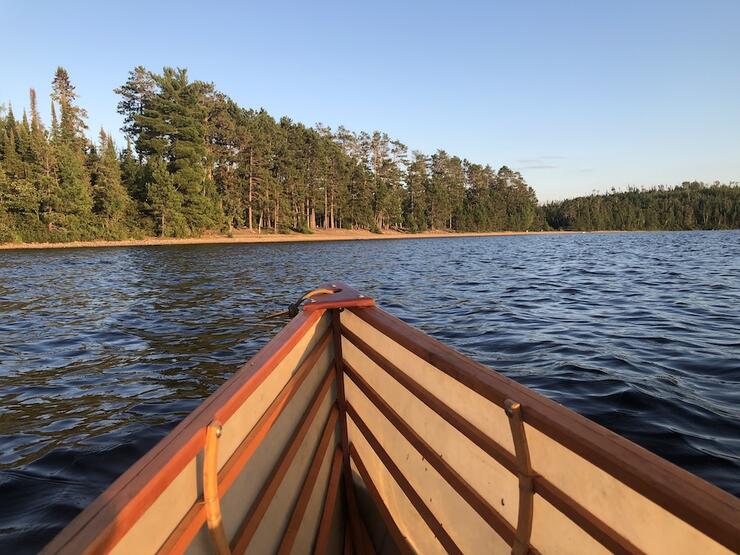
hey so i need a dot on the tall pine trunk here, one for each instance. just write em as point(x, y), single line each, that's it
point(277, 208)
point(326, 208)
point(249, 199)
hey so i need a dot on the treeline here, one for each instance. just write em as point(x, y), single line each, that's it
point(196, 161)
point(693, 205)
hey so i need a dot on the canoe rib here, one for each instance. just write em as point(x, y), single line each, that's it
point(526, 479)
point(211, 498)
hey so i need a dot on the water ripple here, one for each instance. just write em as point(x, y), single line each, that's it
point(103, 351)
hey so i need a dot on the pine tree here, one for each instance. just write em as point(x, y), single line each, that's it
point(18, 195)
point(227, 144)
point(54, 124)
point(74, 197)
point(42, 156)
point(440, 208)
point(172, 129)
point(137, 94)
point(110, 198)
point(72, 125)
point(7, 231)
point(163, 199)
point(416, 193)
point(131, 174)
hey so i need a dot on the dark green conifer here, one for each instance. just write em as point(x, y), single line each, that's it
point(110, 197)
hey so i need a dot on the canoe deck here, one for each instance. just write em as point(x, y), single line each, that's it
point(352, 432)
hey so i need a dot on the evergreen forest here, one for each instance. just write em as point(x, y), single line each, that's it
point(194, 161)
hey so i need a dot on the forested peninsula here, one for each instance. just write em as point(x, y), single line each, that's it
point(195, 162)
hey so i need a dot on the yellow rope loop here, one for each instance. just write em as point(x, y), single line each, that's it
point(293, 308)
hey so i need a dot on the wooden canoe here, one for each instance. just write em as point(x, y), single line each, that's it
point(352, 432)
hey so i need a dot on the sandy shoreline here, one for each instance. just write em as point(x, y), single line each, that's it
point(251, 237)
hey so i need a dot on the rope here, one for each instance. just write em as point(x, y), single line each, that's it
point(295, 307)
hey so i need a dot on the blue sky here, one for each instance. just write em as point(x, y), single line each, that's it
point(576, 95)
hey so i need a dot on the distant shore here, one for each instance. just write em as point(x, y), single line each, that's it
point(243, 236)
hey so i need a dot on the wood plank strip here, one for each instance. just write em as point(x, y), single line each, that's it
point(398, 538)
point(458, 483)
point(584, 519)
point(254, 517)
point(707, 508)
point(107, 519)
point(243, 453)
point(194, 519)
point(361, 542)
point(474, 434)
point(330, 504)
point(183, 534)
point(307, 489)
point(347, 543)
point(435, 525)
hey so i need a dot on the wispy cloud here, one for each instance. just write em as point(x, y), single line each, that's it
point(537, 166)
point(539, 163)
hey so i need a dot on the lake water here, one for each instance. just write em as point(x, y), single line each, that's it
point(103, 351)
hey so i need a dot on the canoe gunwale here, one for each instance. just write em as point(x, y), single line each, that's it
point(707, 508)
point(107, 519)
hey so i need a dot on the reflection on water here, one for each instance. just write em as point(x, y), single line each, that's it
point(102, 351)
